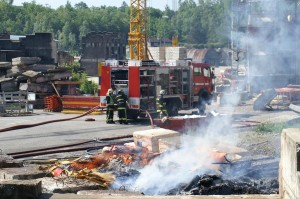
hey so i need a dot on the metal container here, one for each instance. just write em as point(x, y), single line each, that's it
point(181, 124)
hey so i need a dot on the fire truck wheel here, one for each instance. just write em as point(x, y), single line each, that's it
point(132, 115)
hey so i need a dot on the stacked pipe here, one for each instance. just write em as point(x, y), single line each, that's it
point(53, 103)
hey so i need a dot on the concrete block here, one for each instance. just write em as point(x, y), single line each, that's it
point(25, 60)
point(9, 162)
point(74, 196)
point(22, 173)
point(149, 138)
point(169, 143)
point(20, 189)
point(40, 67)
point(289, 167)
point(103, 193)
point(67, 185)
point(5, 65)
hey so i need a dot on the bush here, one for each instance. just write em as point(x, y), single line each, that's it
point(87, 87)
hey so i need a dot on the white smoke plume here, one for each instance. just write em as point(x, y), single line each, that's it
point(180, 166)
point(266, 31)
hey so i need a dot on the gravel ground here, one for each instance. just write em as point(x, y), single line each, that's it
point(260, 141)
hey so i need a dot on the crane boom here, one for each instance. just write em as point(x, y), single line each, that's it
point(137, 40)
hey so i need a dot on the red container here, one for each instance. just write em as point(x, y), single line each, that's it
point(182, 124)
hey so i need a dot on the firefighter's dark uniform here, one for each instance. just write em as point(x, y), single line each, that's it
point(109, 108)
point(161, 106)
point(121, 102)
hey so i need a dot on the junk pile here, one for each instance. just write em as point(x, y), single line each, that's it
point(254, 176)
point(226, 170)
point(26, 74)
point(103, 168)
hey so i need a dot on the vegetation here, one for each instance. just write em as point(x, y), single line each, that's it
point(197, 24)
point(271, 127)
point(87, 87)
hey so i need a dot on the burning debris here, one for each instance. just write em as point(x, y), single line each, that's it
point(163, 162)
point(102, 168)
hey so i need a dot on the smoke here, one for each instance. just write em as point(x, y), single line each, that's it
point(266, 31)
point(175, 167)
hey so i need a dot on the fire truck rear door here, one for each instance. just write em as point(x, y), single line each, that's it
point(105, 84)
point(134, 87)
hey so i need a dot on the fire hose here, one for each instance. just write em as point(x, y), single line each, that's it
point(50, 150)
point(151, 120)
point(99, 140)
point(23, 126)
point(57, 149)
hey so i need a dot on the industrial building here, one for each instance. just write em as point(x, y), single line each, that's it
point(36, 45)
point(99, 46)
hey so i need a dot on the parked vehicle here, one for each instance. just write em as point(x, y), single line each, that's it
point(189, 85)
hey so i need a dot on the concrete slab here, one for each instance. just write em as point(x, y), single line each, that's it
point(289, 177)
point(67, 185)
point(9, 162)
point(25, 60)
point(74, 196)
point(22, 173)
point(5, 65)
point(108, 193)
point(20, 189)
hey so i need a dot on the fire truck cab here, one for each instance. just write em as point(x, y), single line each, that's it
point(189, 85)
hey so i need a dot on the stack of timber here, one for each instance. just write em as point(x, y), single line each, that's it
point(26, 74)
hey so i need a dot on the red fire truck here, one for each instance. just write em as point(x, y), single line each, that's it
point(189, 85)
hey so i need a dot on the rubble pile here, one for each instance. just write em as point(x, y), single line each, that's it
point(255, 175)
point(26, 74)
point(103, 168)
point(217, 185)
point(223, 173)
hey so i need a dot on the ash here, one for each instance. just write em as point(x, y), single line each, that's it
point(258, 176)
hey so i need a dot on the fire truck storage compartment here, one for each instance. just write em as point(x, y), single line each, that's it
point(119, 79)
point(147, 89)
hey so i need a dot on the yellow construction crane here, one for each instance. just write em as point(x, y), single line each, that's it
point(137, 40)
point(175, 40)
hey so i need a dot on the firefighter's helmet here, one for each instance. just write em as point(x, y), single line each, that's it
point(110, 91)
point(120, 91)
point(162, 92)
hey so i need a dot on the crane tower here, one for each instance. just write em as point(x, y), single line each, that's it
point(137, 40)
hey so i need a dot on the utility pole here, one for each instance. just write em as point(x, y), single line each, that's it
point(165, 17)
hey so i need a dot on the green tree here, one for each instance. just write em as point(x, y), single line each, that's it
point(199, 23)
point(81, 5)
point(10, 2)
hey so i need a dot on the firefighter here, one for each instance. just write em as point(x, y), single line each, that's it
point(110, 107)
point(161, 105)
point(121, 103)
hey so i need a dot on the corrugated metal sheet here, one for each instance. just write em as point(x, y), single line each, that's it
point(197, 54)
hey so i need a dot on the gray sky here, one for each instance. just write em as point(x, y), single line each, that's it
point(54, 4)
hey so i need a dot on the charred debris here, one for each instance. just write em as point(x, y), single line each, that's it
point(228, 170)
